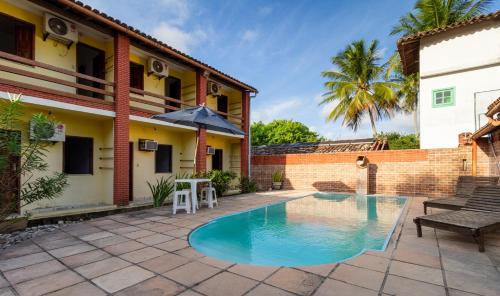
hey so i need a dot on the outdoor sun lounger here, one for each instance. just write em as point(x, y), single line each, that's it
point(465, 187)
point(480, 215)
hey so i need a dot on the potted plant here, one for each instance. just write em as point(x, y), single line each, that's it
point(277, 179)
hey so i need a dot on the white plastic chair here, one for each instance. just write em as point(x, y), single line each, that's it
point(182, 201)
point(209, 199)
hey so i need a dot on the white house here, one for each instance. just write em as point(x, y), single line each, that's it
point(459, 68)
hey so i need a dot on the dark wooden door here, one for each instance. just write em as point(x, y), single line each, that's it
point(217, 160)
point(222, 105)
point(90, 61)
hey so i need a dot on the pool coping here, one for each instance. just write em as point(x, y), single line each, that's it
point(398, 222)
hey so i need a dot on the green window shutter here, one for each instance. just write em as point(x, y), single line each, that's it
point(443, 97)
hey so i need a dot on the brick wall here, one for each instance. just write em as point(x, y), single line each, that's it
point(121, 123)
point(245, 107)
point(403, 172)
point(201, 99)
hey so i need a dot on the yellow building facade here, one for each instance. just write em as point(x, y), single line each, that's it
point(99, 79)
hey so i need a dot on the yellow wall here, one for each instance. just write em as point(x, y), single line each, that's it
point(52, 52)
point(83, 189)
point(233, 101)
point(230, 151)
point(144, 162)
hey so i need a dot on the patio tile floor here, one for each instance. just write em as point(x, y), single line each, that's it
point(147, 253)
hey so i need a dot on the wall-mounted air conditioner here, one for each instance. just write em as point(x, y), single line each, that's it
point(214, 88)
point(59, 29)
point(210, 150)
point(157, 67)
point(48, 132)
point(148, 145)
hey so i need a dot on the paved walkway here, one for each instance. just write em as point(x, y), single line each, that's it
point(146, 253)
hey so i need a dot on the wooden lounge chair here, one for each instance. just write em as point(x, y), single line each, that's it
point(465, 187)
point(480, 215)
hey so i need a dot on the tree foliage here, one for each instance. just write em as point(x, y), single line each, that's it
point(431, 14)
point(282, 132)
point(19, 144)
point(397, 141)
point(358, 87)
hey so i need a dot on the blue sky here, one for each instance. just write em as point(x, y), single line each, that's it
point(280, 47)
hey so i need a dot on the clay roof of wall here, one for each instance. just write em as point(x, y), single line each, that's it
point(369, 144)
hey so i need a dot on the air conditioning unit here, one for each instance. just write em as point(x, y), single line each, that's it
point(148, 145)
point(214, 88)
point(49, 132)
point(210, 151)
point(60, 30)
point(157, 67)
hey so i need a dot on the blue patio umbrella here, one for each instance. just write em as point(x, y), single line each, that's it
point(201, 117)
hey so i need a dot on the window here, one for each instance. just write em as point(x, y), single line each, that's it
point(90, 61)
point(16, 37)
point(172, 90)
point(137, 76)
point(163, 159)
point(222, 105)
point(217, 160)
point(443, 97)
point(78, 155)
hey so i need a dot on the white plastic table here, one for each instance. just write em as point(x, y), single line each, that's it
point(194, 196)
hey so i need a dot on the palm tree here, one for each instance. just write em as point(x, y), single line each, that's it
point(357, 86)
point(431, 14)
point(407, 87)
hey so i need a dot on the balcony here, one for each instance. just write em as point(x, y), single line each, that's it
point(26, 74)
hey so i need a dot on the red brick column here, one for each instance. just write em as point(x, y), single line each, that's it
point(121, 124)
point(244, 145)
point(201, 98)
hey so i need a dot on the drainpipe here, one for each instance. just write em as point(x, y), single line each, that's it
point(474, 158)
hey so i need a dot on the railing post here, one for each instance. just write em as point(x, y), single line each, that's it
point(201, 98)
point(121, 123)
point(245, 142)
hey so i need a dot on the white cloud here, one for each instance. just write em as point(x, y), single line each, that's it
point(280, 110)
point(178, 38)
point(178, 11)
point(250, 35)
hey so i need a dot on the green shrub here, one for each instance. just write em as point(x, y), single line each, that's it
point(163, 188)
point(397, 141)
point(221, 180)
point(247, 185)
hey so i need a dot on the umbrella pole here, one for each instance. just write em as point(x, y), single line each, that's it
point(196, 151)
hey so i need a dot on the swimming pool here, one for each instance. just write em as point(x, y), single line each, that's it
point(318, 229)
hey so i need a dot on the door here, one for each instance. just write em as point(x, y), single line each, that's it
point(90, 61)
point(222, 105)
point(217, 160)
point(172, 90)
point(131, 171)
point(10, 182)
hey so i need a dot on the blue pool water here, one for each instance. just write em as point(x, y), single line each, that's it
point(317, 229)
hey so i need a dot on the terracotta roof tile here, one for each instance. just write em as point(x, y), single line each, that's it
point(493, 108)
point(321, 147)
point(159, 42)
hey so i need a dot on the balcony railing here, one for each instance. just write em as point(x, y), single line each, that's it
point(151, 103)
point(57, 86)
